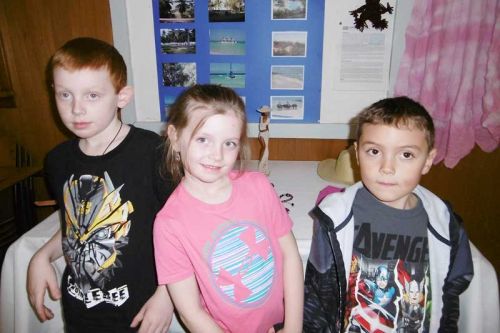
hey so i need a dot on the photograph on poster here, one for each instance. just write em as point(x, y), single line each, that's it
point(289, 10)
point(179, 74)
point(289, 43)
point(178, 41)
point(168, 100)
point(227, 42)
point(287, 107)
point(226, 10)
point(176, 11)
point(287, 77)
point(228, 74)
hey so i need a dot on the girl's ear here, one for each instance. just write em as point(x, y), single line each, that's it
point(173, 137)
point(125, 96)
point(429, 160)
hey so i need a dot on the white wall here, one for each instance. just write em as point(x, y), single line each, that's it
point(133, 35)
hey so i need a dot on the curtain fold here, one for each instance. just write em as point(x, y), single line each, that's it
point(450, 65)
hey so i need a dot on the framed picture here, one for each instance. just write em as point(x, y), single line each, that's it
point(287, 77)
point(227, 42)
point(287, 107)
point(179, 74)
point(228, 74)
point(168, 100)
point(226, 10)
point(178, 41)
point(289, 43)
point(176, 11)
point(289, 9)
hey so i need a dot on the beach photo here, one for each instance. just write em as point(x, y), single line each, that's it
point(178, 41)
point(287, 107)
point(289, 43)
point(168, 100)
point(179, 74)
point(227, 42)
point(230, 74)
point(226, 10)
point(176, 11)
point(289, 10)
point(287, 77)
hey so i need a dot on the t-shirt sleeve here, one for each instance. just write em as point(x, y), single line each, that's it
point(172, 261)
point(164, 185)
point(281, 222)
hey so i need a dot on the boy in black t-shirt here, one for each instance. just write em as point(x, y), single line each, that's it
point(384, 252)
point(108, 188)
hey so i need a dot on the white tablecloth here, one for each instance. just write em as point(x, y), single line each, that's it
point(299, 179)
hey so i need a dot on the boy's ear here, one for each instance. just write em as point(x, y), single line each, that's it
point(356, 152)
point(124, 96)
point(172, 136)
point(429, 161)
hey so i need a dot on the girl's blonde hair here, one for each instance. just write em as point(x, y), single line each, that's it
point(207, 97)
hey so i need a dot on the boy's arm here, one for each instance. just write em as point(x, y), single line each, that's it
point(293, 277)
point(41, 276)
point(186, 298)
point(156, 314)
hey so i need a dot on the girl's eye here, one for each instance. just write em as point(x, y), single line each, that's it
point(201, 139)
point(373, 151)
point(231, 144)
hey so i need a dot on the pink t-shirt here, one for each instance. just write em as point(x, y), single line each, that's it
point(231, 248)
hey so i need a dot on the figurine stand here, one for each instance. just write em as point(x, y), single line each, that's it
point(264, 139)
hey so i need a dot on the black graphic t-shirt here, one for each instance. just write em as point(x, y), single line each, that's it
point(108, 204)
point(389, 285)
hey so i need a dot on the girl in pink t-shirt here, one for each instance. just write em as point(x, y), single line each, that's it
point(223, 242)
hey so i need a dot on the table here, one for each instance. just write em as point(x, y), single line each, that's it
point(297, 178)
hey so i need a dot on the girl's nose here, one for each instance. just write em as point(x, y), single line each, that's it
point(216, 153)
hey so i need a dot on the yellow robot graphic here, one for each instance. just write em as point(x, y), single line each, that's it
point(97, 225)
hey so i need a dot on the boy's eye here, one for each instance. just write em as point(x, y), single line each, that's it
point(373, 151)
point(407, 155)
point(64, 95)
point(93, 96)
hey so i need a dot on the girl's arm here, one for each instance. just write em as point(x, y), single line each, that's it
point(293, 277)
point(186, 298)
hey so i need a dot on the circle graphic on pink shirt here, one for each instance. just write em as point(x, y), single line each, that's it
point(242, 264)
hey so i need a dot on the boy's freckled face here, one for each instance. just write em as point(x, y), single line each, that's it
point(86, 100)
point(392, 161)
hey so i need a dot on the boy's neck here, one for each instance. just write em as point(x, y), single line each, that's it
point(105, 141)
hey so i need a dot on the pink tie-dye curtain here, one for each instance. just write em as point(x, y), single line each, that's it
point(451, 66)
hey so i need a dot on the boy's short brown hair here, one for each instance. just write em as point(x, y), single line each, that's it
point(397, 111)
point(90, 53)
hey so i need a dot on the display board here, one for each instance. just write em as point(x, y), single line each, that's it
point(269, 51)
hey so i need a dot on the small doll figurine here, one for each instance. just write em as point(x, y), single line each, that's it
point(264, 138)
point(371, 11)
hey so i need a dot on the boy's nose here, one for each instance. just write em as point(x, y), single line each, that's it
point(77, 108)
point(387, 166)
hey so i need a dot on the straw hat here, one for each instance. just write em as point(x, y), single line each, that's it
point(337, 170)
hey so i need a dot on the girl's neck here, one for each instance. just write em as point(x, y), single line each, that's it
point(208, 193)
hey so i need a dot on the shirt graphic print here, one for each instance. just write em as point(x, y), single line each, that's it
point(242, 264)
point(96, 227)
